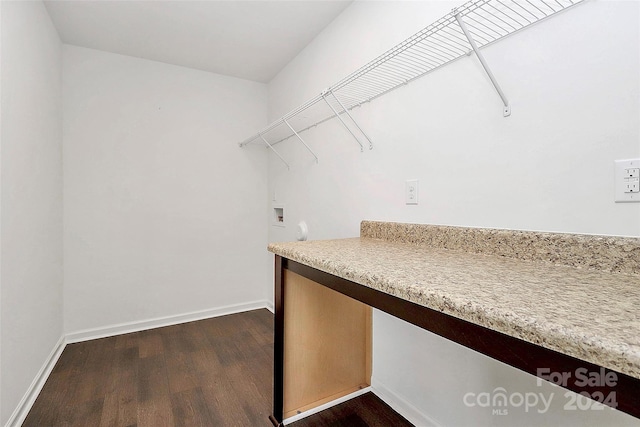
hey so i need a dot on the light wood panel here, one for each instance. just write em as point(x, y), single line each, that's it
point(327, 344)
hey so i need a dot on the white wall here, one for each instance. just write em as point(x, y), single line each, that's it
point(575, 94)
point(31, 197)
point(163, 212)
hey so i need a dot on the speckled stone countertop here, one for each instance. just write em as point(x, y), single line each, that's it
point(576, 294)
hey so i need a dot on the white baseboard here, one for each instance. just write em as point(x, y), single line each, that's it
point(270, 307)
point(327, 405)
point(125, 328)
point(22, 410)
point(402, 406)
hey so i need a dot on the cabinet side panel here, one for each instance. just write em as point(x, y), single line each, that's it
point(327, 344)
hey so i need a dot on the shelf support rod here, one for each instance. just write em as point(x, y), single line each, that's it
point(352, 119)
point(507, 109)
point(300, 138)
point(324, 96)
point(274, 150)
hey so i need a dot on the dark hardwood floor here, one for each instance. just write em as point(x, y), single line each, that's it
point(213, 372)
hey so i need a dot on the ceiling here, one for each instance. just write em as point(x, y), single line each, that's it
point(246, 39)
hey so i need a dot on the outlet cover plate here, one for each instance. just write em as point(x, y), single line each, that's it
point(411, 192)
point(622, 180)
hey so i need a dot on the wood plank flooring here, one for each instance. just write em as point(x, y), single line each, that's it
point(213, 372)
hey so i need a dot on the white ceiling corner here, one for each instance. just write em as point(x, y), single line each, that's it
point(251, 40)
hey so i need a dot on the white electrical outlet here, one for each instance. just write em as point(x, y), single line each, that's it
point(627, 180)
point(411, 192)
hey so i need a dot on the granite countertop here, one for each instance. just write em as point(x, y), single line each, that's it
point(585, 303)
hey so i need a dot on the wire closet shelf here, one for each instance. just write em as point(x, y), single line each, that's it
point(466, 29)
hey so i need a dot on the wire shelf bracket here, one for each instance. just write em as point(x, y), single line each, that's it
point(300, 138)
point(275, 151)
point(328, 92)
point(506, 111)
point(465, 30)
point(346, 111)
